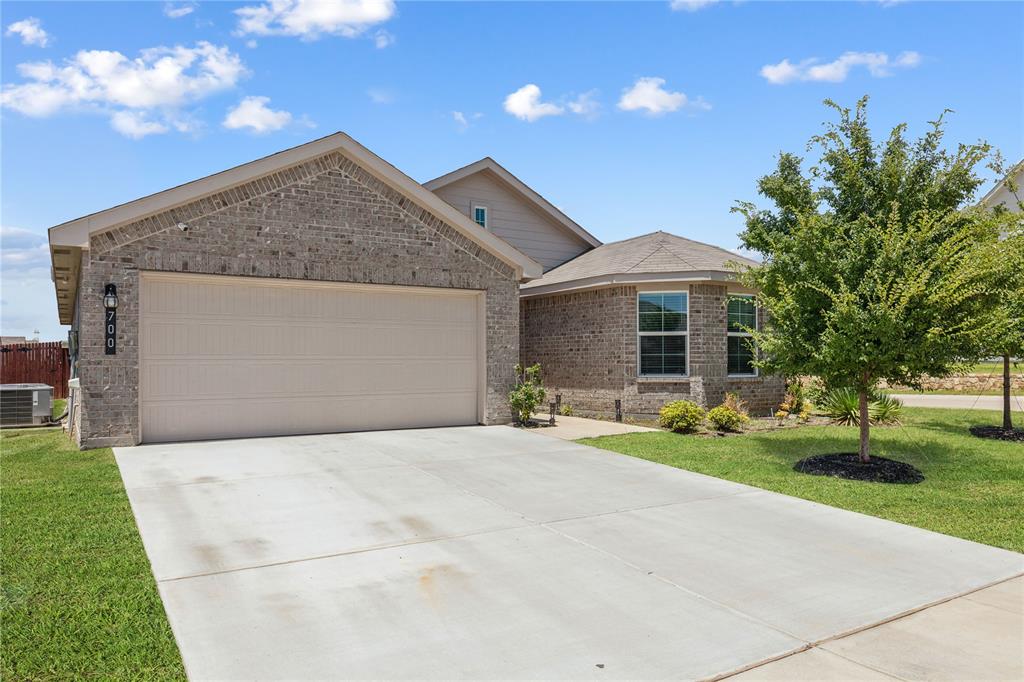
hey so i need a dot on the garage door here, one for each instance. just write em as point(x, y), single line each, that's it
point(224, 357)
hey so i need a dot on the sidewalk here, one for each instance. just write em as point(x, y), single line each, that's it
point(571, 428)
point(961, 402)
point(974, 637)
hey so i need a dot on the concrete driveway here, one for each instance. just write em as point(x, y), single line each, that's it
point(489, 552)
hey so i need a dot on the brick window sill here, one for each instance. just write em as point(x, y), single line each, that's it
point(663, 380)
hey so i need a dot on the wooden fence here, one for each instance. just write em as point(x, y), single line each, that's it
point(36, 363)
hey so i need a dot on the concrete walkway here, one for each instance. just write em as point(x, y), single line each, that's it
point(979, 636)
point(572, 428)
point(960, 402)
point(491, 552)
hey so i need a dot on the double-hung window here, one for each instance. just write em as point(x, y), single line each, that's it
point(741, 350)
point(662, 333)
point(480, 215)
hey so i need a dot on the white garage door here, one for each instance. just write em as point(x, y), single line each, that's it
point(224, 357)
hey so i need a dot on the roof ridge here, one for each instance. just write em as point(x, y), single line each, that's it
point(660, 247)
point(668, 247)
point(713, 246)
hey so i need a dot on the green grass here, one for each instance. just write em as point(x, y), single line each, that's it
point(78, 600)
point(58, 407)
point(973, 487)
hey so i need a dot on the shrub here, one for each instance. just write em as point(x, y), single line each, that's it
point(725, 418)
point(842, 406)
point(734, 403)
point(885, 409)
point(565, 410)
point(527, 394)
point(681, 416)
point(796, 395)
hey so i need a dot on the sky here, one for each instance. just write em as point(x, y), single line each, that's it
point(630, 117)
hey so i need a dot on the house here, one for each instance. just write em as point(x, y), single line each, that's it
point(322, 290)
point(645, 321)
point(1004, 194)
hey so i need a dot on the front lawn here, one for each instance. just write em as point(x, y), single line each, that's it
point(973, 487)
point(78, 599)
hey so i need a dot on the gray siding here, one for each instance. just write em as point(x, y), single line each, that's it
point(514, 219)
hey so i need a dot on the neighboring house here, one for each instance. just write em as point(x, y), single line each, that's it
point(1001, 194)
point(320, 290)
point(645, 321)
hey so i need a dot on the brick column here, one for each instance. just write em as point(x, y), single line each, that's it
point(708, 340)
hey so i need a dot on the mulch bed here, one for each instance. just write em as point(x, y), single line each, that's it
point(998, 433)
point(848, 466)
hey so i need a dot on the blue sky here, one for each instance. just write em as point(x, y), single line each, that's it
point(650, 115)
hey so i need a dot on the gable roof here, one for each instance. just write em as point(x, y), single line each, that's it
point(487, 164)
point(992, 198)
point(69, 238)
point(655, 257)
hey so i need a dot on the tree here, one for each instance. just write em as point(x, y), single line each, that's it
point(1011, 344)
point(872, 267)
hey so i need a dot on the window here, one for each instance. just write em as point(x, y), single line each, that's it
point(480, 215)
point(741, 351)
point(662, 331)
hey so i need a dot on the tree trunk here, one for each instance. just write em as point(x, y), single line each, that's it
point(1007, 422)
point(865, 424)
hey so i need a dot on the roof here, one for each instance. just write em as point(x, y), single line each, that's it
point(68, 239)
point(487, 164)
point(992, 198)
point(655, 257)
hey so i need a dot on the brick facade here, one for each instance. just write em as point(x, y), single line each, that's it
point(327, 220)
point(586, 344)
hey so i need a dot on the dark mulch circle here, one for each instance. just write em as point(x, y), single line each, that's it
point(848, 465)
point(998, 432)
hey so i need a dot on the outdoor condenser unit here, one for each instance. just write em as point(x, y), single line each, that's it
point(25, 404)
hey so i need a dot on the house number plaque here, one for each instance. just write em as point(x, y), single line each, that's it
point(110, 320)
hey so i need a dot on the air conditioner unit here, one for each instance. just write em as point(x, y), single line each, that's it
point(25, 404)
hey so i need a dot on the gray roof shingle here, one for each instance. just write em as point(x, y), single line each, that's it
point(647, 254)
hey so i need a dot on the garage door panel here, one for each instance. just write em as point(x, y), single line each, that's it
point(227, 357)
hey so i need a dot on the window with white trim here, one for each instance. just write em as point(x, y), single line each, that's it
point(741, 350)
point(480, 215)
point(662, 333)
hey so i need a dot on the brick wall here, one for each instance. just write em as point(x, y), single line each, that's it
point(586, 343)
point(327, 220)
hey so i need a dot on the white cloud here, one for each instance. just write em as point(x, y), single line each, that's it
point(28, 302)
point(878, 64)
point(649, 95)
point(135, 125)
point(381, 96)
point(382, 39)
point(254, 114)
point(690, 5)
point(251, 44)
point(463, 121)
point(22, 250)
point(310, 19)
point(156, 84)
point(31, 32)
point(525, 104)
point(179, 10)
point(585, 105)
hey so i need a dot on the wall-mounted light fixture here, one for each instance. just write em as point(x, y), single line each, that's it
point(110, 297)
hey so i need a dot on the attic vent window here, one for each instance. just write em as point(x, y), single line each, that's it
point(480, 215)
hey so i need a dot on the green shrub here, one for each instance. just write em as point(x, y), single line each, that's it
point(565, 410)
point(885, 409)
point(842, 405)
point(681, 416)
point(527, 394)
point(725, 418)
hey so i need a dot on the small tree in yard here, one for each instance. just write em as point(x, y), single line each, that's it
point(872, 267)
point(528, 393)
point(1011, 344)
